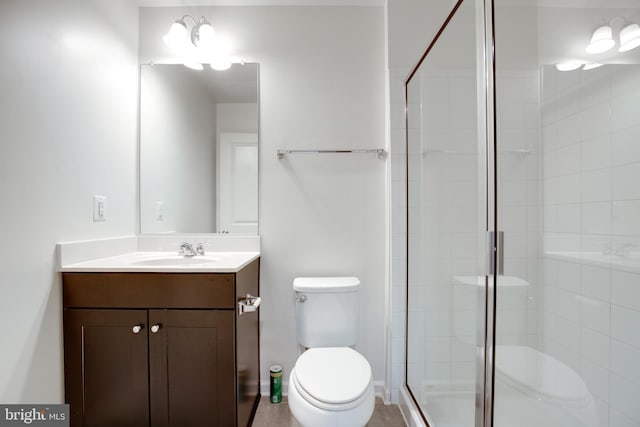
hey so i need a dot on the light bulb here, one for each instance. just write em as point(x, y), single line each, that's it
point(206, 35)
point(221, 63)
point(591, 66)
point(629, 37)
point(601, 41)
point(177, 35)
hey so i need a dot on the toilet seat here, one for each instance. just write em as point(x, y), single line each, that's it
point(332, 378)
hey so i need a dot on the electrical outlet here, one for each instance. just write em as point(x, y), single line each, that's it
point(99, 208)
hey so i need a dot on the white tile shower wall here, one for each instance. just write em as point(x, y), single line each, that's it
point(590, 309)
point(517, 107)
point(411, 27)
point(443, 204)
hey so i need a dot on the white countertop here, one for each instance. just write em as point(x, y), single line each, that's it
point(165, 262)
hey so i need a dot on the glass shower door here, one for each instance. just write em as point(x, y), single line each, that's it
point(568, 161)
point(447, 223)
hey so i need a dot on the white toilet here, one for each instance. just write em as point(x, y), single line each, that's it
point(331, 384)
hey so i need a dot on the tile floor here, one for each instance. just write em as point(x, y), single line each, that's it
point(278, 415)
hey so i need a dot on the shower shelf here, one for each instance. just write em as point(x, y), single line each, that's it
point(380, 151)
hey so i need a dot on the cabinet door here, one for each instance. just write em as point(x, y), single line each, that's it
point(106, 367)
point(191, 365)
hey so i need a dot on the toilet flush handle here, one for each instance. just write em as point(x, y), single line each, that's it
point(301, 298)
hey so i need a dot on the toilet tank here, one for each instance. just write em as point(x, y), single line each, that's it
point(326, 311)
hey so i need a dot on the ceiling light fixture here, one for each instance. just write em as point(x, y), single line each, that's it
point(198, 46)
point(629, 37)
point(601, 40)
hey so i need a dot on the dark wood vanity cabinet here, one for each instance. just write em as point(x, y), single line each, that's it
point(161, 349)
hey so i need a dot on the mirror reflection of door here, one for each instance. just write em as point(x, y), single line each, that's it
point(237, 183)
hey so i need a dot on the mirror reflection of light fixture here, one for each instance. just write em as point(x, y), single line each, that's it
point(629, 37)
point(601, 40)
point(591, 66)
point(568, 66)
point(199, 46)
point(194, 65)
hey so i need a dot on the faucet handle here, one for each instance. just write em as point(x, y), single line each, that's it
point(186, 249)
point(200, 248)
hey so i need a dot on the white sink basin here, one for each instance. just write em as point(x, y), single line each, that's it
point(175, 260)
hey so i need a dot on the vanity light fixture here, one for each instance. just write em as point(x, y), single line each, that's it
point(601, 40)
point(178, 36)
point(629, 37)
point(198, 46)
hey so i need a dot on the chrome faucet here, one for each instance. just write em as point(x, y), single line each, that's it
point(187, 249)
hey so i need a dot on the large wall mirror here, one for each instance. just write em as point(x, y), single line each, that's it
point(199, 149)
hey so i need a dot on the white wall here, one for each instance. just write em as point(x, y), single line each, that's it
point(239, 117)
point(68, 119)
point(177, 151)
point(321, 86)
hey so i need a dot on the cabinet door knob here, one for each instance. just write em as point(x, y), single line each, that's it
point(155, 328)
point(136, 329)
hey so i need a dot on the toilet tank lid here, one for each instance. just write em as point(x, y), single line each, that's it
point(326, 284)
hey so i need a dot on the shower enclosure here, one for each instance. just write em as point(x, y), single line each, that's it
point(523, 222)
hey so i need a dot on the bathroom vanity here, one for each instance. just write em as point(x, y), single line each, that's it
point(154, 346)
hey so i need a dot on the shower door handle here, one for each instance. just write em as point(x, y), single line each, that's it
point(495, 243)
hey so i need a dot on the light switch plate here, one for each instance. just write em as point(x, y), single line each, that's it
point(159, 211)
point(99, 208)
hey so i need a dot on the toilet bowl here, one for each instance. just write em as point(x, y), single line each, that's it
point(534, 388)
point(531, 389)
point(331, 386)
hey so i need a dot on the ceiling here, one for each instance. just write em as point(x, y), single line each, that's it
point(164, 3)
point(544, 3)
point(573, 4)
